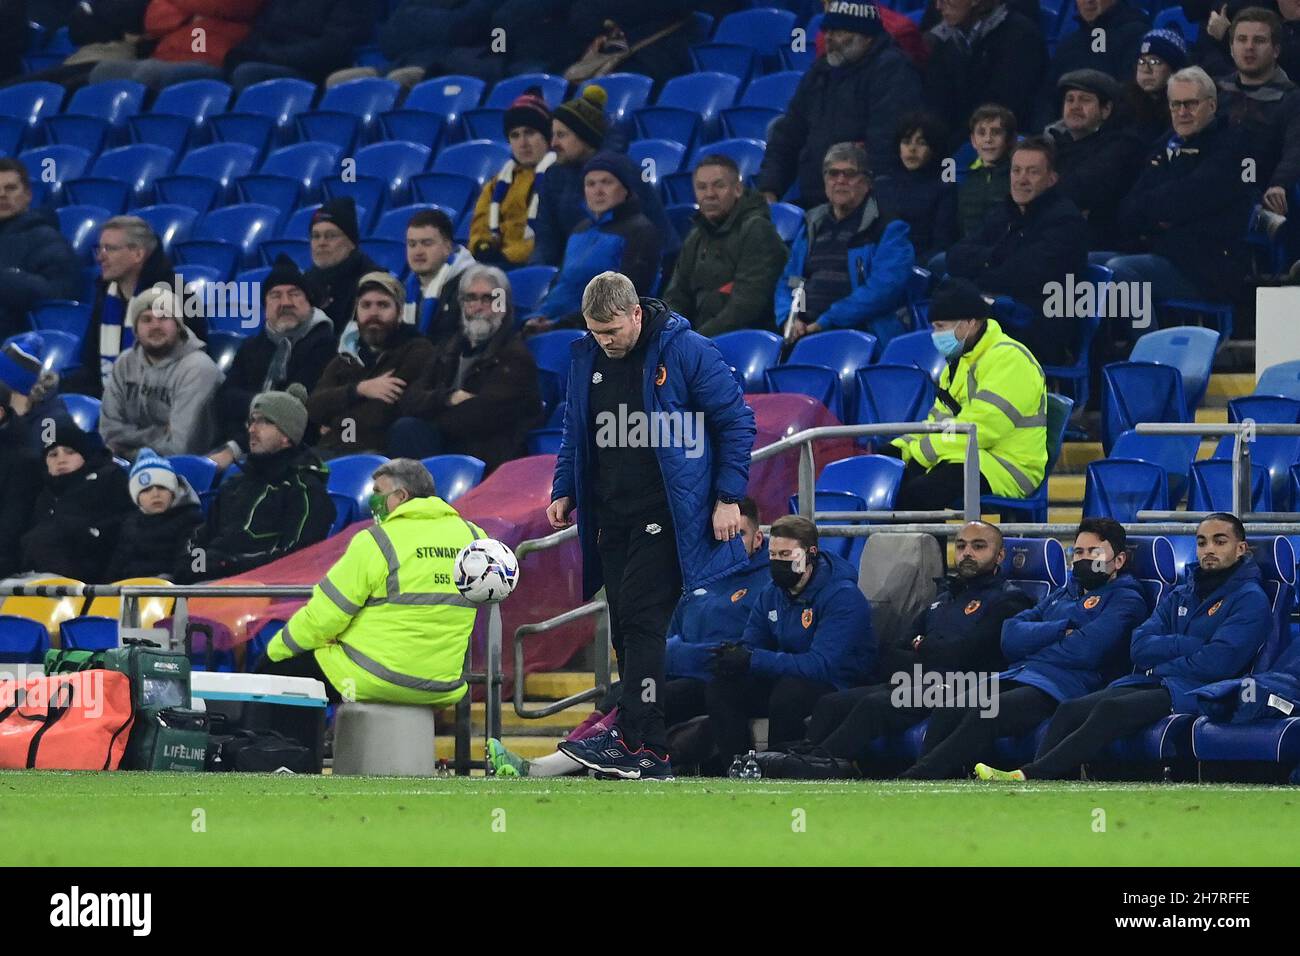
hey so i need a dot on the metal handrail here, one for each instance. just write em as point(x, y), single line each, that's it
point(550, 624)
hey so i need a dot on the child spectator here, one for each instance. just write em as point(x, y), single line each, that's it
point(988, 181)
point(152, 540)
point(913, 189)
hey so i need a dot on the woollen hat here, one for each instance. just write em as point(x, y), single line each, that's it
point(857, 16)
point(151, 470)
point(286, 410)
point(528, 110)
point(956, 299)
point(585, 115)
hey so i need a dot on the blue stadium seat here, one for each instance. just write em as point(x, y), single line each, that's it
point(22, 641)
point(1119, 488)
point(890, 393)
point(551, 352)
point(815, 381)
point(1186, 348)
point(918, 296)
point(11, 135)
point(511, 88)
point(1277, 453)
point(844, 350)
point(1036, 565)
point(80, 226)
point(1152, 563)
point(446, 97)
point(545, 441)
point(750, 352)
point(626, 92)
point(84, 410)
point(350, 475)
point(478, 159)
point(111, 100)
point(1275, 409)
point(1173, 453)
point(329, 126)
point(363, 99)
point(1211, 486)
point(366, 194)
point(688, 105)
point(665, 157)
point(529, 285)
point(766, 30)
point(682, 217)
point(747, 153)
point(122, 177)
point(448, 190)
point(199, 470)
point(345, 511)
point(453, 475)
point(389, 253)
point(61, 316)
point(162, 129)
point(59, 351)
point(392, 224)
point(298, 250)
point(67, 162)
point(276, 100)
point(916, 349)
point(203, 177)
point(1079, 372)
point(484, 123)
point(31, 102)
point(749, 122)
point(841, 547)
point(195, 100)
point(394, 164)
point(873, 478)
point(788, 220)
point(1280, 379)
point(734, 59)
point(222, 347)
point(798, 60)
point(244, 226)
point(414, 126)
point(703, 25)
point(73, 129)
point(772, 91)
point(1034, 506)
point(1134, 392)
point(251, 128)
point(89, 633)
point(290, 175)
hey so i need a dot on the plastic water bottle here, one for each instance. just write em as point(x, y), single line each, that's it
point(751, 771)
point(737, 768)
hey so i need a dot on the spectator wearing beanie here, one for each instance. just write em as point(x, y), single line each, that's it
point(1121, 25)
point(295, 344)
point(502, 230)
point(356, 399)
point(161, 393)
point(983, 52)
point(33, 390)
point(580, 129)
point(152, 540)
point(857, 91)
point(337, 262)
point(78, 513)
point(1162, 54)
point(1096, 156)
point(614, 236)
point(277, 503)
point(20, 483)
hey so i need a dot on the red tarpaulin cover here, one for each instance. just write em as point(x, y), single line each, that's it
point(510, 505)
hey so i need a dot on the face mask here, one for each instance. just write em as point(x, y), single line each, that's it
point(1088, 576)
point(479, 330)
point(947, 343)
point(379, 506)
point(786, 574)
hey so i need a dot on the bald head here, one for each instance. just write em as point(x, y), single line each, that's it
point(979, 548)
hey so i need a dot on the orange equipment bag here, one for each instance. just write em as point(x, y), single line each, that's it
point(77, 721)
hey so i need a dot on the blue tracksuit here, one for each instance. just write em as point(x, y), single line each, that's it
point(1190, 641)
point(1070, 665)
point(707, 616)
point(1271, 693)
point(824, 634)
point(684, 374)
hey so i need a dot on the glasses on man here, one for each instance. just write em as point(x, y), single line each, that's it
point(839, 172)
point(1177, 106)
point(111, 248)
point(1149, 62)
point(487, 298)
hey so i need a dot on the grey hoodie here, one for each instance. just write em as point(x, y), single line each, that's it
point(169, 405)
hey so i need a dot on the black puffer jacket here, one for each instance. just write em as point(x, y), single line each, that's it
point(1095, 172)
point(76, 521)
point(857, 102)
point(313, 37)
point(154, 545)
point(20, 485)
point(337, 287)
point(36, 263)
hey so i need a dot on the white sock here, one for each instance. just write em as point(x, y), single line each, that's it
point(553, 765)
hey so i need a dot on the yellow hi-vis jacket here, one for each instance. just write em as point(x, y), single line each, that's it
point(999, 386)
point(386, 623)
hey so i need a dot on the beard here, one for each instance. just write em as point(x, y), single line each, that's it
point(157, 352)
point(375, 335)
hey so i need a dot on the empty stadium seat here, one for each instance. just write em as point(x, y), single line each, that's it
point(360, 100)
point(290, 175)
point(80, 226)
point(195, 100)
point(484, 123)
point(1152, 563)
point(31, 102)
point(551, 352)
point(1036, 565)
point(122, 177)
point(511, 88)
point(277, 100)
point(1280, 379)
point(222, 347)
point(254, 129)
point(203, 177)
point(1186, 348)
point(199, 470)
point(840, 546)
point(873, 478)
point(688, 105)
point(350, 475)
point(66, 162)
point(730, 58)
point(70, 129)
point(1173, 453)
point(393, 163)
point(657, 158)
point(448, 190)
point(529, 285)
point(48, 612)
point(12, 132)
point(366, 194)
point(62, 316)
point(299, 250)
point(22, 641)
point(90, 633)
point(816, 381)
point(243, 226)
point(1211, 486)
point(453, 475)
point(891, 393)
point(84, 410)
point(682, 217)
point(162, 129)
point(112, 101)
point(788, 220)
point(479, 160)
point(915, 349)
point(625, 93)
point(388, 253)
point(345, 511)
point(392, 224)
point(844, 350)
point(1134, 392)
point(1119, 488)
point(766, 30)
point(170, 223)
point(750, 352)
point(444, 98)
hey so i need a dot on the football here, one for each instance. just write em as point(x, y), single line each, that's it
point(486, 571)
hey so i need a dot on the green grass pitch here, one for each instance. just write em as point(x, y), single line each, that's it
point(134, 819)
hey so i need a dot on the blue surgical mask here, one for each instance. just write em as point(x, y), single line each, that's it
point(947, 343)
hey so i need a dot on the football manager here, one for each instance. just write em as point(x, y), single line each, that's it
point(655, 457)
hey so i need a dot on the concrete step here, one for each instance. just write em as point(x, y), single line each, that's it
point(1212, 416)
point(557, 685)
point(1064, 515)
point(1065, 489)
point(1226, 385)
point(511, 723)
point(528, 747)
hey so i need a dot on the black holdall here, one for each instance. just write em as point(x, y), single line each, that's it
point(259, 751)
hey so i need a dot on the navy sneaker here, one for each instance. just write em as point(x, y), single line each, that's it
point(604, 753)
point(653, 766)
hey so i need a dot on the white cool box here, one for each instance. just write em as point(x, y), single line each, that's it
point(294, 706)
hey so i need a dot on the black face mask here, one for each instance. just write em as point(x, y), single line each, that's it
point(1088, 576)
point(783, 573)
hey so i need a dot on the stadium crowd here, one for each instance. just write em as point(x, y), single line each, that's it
point(976, 141)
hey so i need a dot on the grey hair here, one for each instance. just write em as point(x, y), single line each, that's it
point(494, 277)
point(139, 234)
point(607, 295)
point(409, 475)
point(848, 153)
point(1194, 74)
